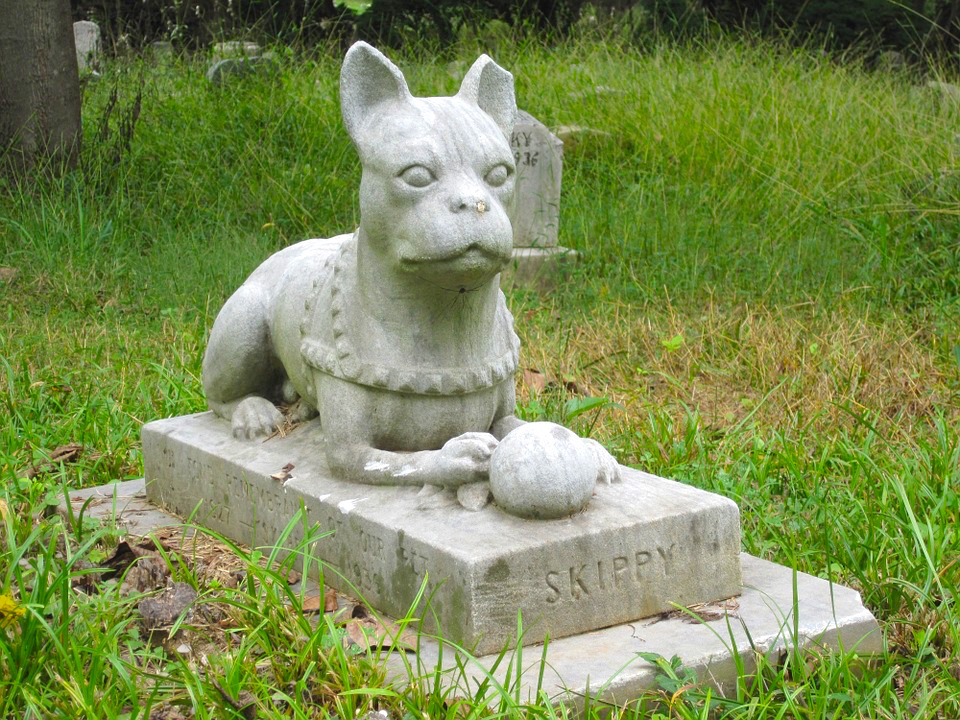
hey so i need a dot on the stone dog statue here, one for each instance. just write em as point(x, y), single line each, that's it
point(397, 334)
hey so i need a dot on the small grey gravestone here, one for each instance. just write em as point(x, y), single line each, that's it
point(235, 49)
point(538, 155)
point(947, 91)
point(161, 49)
point(235, 58)
point(86, 36)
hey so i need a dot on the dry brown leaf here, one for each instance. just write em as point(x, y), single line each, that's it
point(327, 602)
point(370, 633)
point(63, 454)
point(534, 379)
point(8, 274)
point(150, 572)
point(330, 603)
point(283, 473)
point(312, 603)
point(66, 453)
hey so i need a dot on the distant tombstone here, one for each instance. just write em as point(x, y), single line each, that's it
point(221, 70)
point(945, 90)
point(161, 49)
point(235, 49)
point(892, 60)
point(246, 57)
point(537, 255)
point(86, 37)
point(538, 154)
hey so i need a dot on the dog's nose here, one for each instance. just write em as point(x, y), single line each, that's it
point(463, 204)
point(467, 196)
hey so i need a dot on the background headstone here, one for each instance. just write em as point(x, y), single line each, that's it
point(86, 36)
point(537, 255)
point(235, 49)
point(161, 49)
point(236, 58)
point(538, 154)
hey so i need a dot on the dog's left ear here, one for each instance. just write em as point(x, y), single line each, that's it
point(491, 88)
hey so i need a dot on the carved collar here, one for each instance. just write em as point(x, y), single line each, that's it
point(328, 345)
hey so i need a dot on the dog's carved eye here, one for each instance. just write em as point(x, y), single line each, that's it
point(417, 176)
point(498, 176)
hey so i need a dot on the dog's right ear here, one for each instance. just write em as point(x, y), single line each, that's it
point(368, 80)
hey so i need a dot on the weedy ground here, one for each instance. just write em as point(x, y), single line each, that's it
point(767, 306)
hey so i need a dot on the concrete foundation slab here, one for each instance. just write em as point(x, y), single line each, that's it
point(642, 547)
point(120, 504)
point(604, 665)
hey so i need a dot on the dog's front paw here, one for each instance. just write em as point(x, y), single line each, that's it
point(255, 416)
point(608, 469)
point(466, 458)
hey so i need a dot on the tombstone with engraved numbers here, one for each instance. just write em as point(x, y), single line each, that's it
point(538, 154)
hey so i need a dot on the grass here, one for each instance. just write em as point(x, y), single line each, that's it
point(768, 300)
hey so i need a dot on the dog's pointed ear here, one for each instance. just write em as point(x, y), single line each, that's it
point(367, 80)
point(491, 88)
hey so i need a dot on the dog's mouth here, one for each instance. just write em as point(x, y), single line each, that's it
point(476, 253)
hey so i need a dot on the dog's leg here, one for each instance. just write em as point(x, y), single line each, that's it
point(462, 460)
point(505, 420)
point(241, 372)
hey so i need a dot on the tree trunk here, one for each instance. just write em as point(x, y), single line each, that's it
point(39, 85)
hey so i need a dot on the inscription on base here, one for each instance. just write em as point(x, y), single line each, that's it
point(606, 574)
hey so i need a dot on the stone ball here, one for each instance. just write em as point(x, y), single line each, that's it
point(542, 470)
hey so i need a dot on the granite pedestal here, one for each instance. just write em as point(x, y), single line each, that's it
point(642, 547)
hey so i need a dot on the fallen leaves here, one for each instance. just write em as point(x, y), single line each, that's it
point(139, 565)
point(701, 612)
point(361, 629)
point(62, 455)
point(8, 275)
point(326, 601)
point(284, 473)
point(537, 382)
point(369, 633)
point(534, 379)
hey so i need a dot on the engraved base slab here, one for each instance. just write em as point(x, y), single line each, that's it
point(641, 547)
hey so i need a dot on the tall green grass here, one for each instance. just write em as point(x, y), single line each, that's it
point(767, 297)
